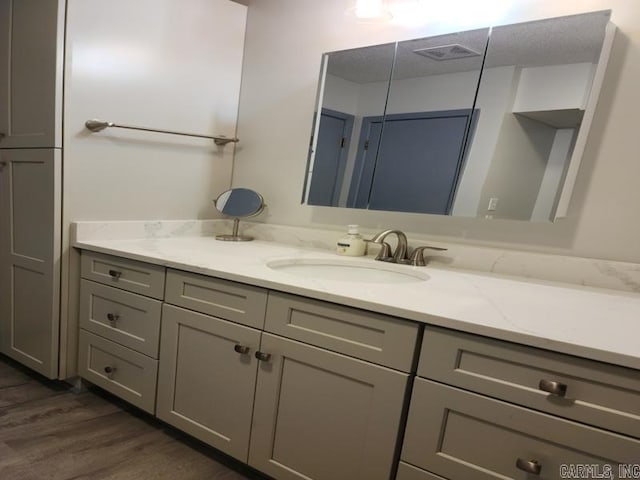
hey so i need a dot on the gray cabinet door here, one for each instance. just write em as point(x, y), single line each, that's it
point(31, 46)
point(30, 257)
point(205, 385)
point(320, 415)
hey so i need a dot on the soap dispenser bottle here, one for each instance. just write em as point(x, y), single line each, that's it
point(352, 244)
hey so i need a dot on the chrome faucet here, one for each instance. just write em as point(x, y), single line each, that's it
point(399, 254)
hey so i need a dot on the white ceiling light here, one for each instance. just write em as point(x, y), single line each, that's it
point(371, 10)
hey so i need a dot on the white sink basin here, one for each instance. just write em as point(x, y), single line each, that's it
point(366, 271)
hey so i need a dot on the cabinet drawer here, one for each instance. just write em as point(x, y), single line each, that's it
point(136, 277)
point(462, 435)
point(370, 336)
point(133, 375)
point(409, 472)
point(221, 298)
point(598, 394)
point(127, 318)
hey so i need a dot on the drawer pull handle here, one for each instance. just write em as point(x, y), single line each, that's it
point(241, 349)
point(115, 274)
point(529, 466)
point(113, 318)
point(556, 388)
point(109, 371)
point(265, 357)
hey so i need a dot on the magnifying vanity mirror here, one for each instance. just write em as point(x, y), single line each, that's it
point(238, 203)
point(488, 123)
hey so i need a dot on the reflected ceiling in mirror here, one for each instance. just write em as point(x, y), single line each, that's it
point(487, 123)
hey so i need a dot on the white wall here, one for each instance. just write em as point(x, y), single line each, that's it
point(156, 64)
point(446, 92)
point(554, 87)
point(517, 168)
point(494, 97)
point(168, 64)
point(284, 43)
point(341, 95)
point(558, 158)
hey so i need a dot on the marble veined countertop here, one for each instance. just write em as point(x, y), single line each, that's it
point(594, 323)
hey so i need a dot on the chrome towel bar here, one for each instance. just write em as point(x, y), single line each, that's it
point(99, 125)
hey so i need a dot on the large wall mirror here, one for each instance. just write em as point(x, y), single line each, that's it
point(487, 123)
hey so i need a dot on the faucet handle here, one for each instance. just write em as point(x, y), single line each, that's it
point(417, 256)
point(384, 254)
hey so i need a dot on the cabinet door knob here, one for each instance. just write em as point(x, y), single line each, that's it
point(556, 388)
point(115, 274)
point(529, 466)
point(109, 371)
point(112, 317)
point(265, 357)
point(241, 349)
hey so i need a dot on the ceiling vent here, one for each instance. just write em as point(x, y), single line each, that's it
point(447, 52)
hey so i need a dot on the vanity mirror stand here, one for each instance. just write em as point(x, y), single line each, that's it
point(238, 203)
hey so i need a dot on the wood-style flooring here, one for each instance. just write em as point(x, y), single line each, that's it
point(48, 432)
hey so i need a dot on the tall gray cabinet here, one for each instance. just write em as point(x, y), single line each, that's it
point(31, 58)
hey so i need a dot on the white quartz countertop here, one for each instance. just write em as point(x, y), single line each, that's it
point(588, 322)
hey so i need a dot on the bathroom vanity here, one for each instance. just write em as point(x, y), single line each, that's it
point(450, 374)
point(333, 375)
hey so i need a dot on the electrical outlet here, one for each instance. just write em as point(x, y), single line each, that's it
point(493, 204)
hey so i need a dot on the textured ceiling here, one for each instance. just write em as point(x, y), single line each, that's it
point(556, 41)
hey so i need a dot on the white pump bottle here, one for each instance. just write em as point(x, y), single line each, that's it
point(352, 244)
